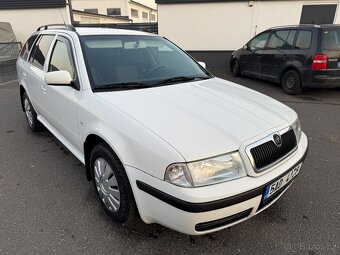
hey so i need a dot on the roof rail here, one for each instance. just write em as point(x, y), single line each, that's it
point(63, 26)
point(300, 25)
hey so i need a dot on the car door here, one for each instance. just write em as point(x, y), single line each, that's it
point(34, 71)
point(251, 57)
point(277, 53)
point(61, 102)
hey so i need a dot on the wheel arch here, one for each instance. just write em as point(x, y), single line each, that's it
point(90, 142)
point(22, 91)
point(289, 68)
point(232, 62)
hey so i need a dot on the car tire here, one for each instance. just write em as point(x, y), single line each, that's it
point(291, 82)
point(31, 115)
point(112, 185)
point(235, 68)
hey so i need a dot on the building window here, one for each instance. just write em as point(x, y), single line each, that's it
point(94, 11)
point(318, 14)
point(153, 17)
point(145, 15)
point(134, 13)
point(114, 11)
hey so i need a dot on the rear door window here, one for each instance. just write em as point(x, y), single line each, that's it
point(331, 39)
point(27, 47)
point(291, 37)
point(40, 50)
point(303, 40)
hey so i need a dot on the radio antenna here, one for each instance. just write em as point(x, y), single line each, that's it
point(62, 16)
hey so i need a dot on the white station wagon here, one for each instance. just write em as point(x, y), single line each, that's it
point(159, 135)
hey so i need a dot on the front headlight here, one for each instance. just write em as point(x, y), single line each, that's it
point(205, 172)
point(297, 129)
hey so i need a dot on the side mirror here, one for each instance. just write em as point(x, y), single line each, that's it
point(245, 47)
point(202, 64)
point(58, 78)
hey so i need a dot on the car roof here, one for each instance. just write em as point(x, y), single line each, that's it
point(304, 26)
point(91, 30)
point(109, 31)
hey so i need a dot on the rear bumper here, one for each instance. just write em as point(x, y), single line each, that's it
point(321, 79)
point(197, 211)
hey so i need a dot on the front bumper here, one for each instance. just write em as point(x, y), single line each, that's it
point(202, 210)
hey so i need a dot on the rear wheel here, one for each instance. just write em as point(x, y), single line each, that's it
point(31, 116)
point(291, 82)
point(112, 184)
point(235, 68)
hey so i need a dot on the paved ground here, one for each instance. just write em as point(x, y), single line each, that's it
point(48, 207)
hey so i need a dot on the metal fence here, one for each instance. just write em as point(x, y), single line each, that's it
point(145, 27)
point(9, 52)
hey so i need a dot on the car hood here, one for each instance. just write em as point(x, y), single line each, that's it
point(203, 118)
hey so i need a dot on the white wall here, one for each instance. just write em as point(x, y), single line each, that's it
point(25, 22)
point(96, 19)
point(228, 25)
point(101, 5)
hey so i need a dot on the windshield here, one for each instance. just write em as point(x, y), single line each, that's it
point(130, 61)
point(331, 39)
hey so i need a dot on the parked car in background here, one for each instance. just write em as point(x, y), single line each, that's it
point(158, 134)
point(298, 57)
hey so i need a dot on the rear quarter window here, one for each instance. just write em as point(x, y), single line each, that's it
point(27, 47)
point(303, 40)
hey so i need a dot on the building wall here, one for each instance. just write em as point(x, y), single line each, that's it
point(223, 26)
point(101, 5)
point(124, 5)
point(25, 21)
point(85, 18)
point(140, 10)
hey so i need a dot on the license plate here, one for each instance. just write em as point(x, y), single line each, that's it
point(274, 187)
point(338, 64)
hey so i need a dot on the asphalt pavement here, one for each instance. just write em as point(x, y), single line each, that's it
point(48, 207)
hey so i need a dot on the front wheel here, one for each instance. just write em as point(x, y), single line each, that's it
point(112, 184)
point(291, 83)
point(31, 116)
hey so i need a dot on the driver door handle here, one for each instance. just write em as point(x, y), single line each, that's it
point(43, 89)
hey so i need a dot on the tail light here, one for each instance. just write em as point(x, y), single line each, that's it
point(319, 62)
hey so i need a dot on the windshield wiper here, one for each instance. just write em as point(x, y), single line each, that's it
point(121, 86)
point(181, 79)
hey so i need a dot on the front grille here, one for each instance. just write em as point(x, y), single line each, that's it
point(267, 153)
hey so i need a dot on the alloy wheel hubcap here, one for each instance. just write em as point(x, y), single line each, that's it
point(107, 185)
point(290, 82)
point(28, 112)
